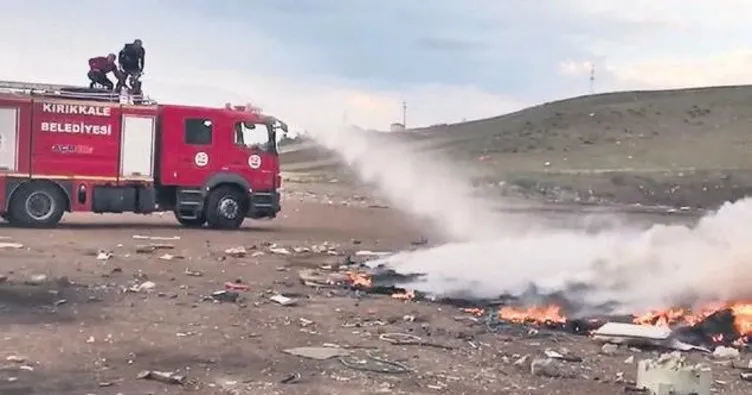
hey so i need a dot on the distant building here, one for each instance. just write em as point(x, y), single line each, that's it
point(397, 127)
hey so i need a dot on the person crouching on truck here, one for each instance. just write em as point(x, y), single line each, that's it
point(99, 67)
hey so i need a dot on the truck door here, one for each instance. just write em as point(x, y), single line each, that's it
point(9, 139)
point(188, 146)
point(255, 156)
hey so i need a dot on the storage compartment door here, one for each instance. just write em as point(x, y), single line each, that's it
point(8, 139)
point(137, 148)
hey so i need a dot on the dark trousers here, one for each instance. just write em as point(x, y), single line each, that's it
point(127, 68)
point(98, 77)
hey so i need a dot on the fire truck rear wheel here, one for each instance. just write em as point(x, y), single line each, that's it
point(225, 208)
point(37, 204)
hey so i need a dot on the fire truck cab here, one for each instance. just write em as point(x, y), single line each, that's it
point(72, 149)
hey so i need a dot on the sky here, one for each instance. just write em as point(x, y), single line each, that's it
point(324, 63)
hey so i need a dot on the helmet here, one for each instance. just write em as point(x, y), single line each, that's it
point(138, 42)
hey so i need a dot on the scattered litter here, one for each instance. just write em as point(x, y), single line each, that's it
point(225, 296)
point(149, 248)
point(193, 273)
point(609, 349)
point(304, 322)
point(641, 335)
point(548, 367)
point(236, 285)
point(236, 252)
point(725, 353)
point(36, 279)
point(11, 246)
point(378, 365)
point(318, 353)
point(314, 278)
point(629, 360)
point(103, 255)
point(291, 379)
point(170, 257)
point(279, 251)
point(561, 356)
point(404, 339)
point(145, 286)
point(283, 300)
point(162, 377)
point(670, 374)
point(156, 238)
point(145, 249)
point(15, 359)
point(746, 376)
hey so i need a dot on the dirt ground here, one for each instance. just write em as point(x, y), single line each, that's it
point(91, 326)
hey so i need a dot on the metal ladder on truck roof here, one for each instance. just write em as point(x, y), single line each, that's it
point(71, 92)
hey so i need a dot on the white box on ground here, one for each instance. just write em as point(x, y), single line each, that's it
point(670, 376)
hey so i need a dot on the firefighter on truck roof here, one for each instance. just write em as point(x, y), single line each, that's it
point(99, 67)
point(131, 59)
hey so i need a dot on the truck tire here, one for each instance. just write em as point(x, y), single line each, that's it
point(225, 208)
point(191, 223)
point(36, 205)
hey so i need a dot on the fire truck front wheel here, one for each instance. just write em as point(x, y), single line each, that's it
point(191, 222)
point(37, 204)
point(225, 208)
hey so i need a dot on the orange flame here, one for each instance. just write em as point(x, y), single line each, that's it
point(407, 295)
point(741, 311)
point(537, 315)
point(359, 279)
point(475, 311)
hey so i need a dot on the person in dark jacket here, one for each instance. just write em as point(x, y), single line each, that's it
point(99, 67)
point(131, 59)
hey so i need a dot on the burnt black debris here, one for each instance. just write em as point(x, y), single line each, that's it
point(716, 329)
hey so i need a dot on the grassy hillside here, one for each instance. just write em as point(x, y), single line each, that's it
point(688, 147)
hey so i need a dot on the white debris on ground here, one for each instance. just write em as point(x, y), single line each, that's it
point(10, 246)
point(671, 375)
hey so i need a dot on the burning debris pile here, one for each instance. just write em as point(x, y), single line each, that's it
point(727, 323)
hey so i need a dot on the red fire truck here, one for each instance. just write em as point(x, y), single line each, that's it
point(67, 148)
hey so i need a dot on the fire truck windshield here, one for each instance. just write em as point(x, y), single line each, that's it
point(254, 135)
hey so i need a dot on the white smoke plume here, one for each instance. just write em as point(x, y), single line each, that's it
point(639, 269)
point(416, 182)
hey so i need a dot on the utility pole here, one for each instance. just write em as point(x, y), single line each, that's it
point(404, 114)
point(592, 78)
